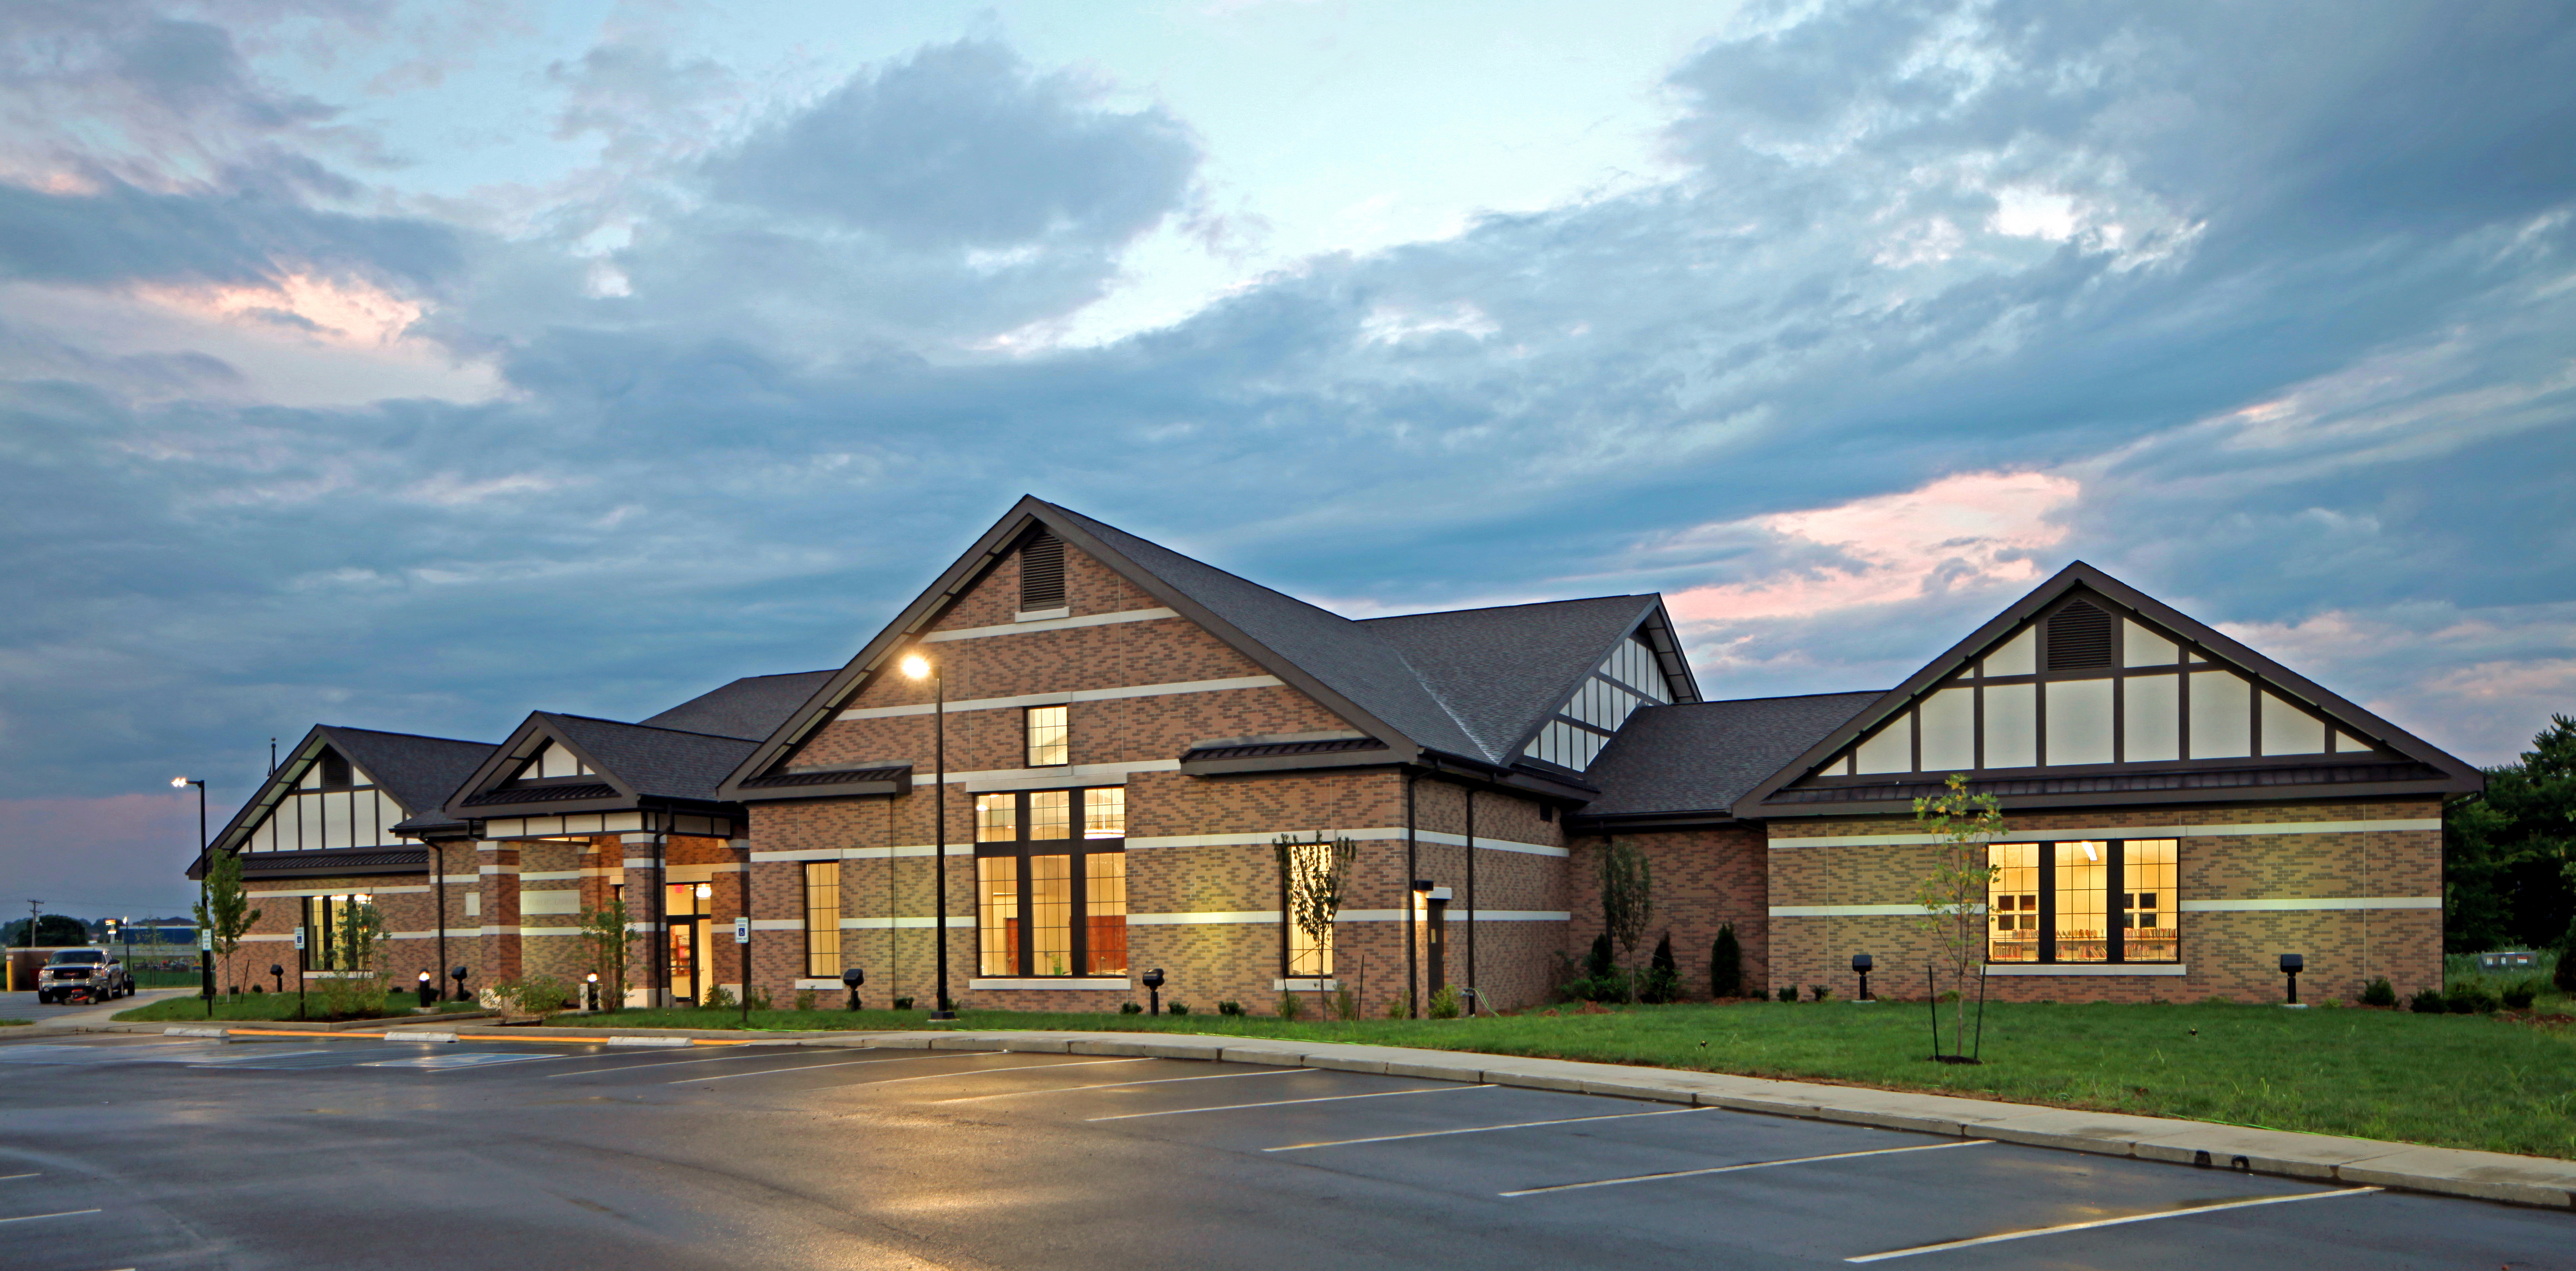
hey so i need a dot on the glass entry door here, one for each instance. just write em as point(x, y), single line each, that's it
point(687, 933)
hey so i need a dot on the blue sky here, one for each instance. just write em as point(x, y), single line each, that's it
point(414, 366)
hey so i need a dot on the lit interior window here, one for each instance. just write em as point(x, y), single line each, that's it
point(1047, 748)
point(1105, 906)
point(997, 818)
point(997, 896)
point(1051, 814)
point(2080, 893)
point(822, 920)
point(2012, 902)
point(1104, 813)
point(1050, 914)
point(2148, 872)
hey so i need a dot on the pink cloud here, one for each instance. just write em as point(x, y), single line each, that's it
point(1971, 530)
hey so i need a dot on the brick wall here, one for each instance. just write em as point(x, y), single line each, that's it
point(1702, 879)
point(2228, 954)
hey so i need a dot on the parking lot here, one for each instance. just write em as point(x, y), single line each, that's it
point(152, 1152)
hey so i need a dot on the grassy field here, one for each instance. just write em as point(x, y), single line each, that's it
point(263, 1007)
point(2471, 1081)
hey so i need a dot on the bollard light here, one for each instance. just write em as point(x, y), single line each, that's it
point(1861, 963)
point(458, 974)
point(853, 977)
point(2291, 965)
point(278, 970)
point(1154, 991)
point(590, 991)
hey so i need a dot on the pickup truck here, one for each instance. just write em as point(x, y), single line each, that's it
point(73, 970)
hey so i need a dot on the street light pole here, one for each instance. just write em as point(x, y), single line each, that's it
point(919, 667)
point(205, 905)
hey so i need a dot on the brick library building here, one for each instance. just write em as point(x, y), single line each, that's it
point(1071, 758)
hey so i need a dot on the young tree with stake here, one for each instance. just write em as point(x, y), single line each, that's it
point(1953, 895)
point(225, 914)
point(1627, 898)
point(1312, 876)
point(606, 930)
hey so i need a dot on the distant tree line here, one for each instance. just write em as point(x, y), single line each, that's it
point(2509, 855)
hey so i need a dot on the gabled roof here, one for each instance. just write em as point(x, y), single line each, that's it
point(418, 772)
point(632, 763)
point(2411, 766)
point(750, 708)
point(1690, 763)
point(1409, 683)
point(1502, 671)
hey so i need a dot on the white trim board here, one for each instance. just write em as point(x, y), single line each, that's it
point(1371, 834)
point(1048, 624)
point(956, 922)
point(1227, 684)
point(2088, 968)
point(2122, 832)
point(1097, 985)
point(2274, 905)
point(343, 889)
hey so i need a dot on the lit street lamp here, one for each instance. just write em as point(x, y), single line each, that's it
point(205, 908)
point(918, 667)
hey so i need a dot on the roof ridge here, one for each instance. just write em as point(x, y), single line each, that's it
point(387, 732)
point(1527, 604)
point(627, 723)
point(1782, 697)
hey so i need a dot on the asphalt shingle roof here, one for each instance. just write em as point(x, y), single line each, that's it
point(1703, 756)
point(751, 707)
point(1468, 682)
point(655, 761)
point(420, 772)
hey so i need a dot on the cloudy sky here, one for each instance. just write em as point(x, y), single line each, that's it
point(412, 366)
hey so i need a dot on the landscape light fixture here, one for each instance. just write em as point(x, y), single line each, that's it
point(853, 977)
point(458, 974)
point(918, 667)
point(1861, 963)
point(205, 955)
point(1154, 991)
point(278, 970)
point(2291, 965)
point(427, 988)
point(590, 990)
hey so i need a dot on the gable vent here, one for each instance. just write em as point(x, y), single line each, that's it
point(2079, 636)
point(1042, 573)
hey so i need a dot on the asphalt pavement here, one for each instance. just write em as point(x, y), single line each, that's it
point(144, 1152)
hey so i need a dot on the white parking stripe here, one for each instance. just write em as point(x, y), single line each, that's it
point(668, 1063)
point(1120, 1085)
point(1729, 1169)
point(764, 1072)
point(2107, 1222)
point(68, 1213)
point(1282, 1103)
point(4, 1178)
point(1481, 1129)
point(977, 1072)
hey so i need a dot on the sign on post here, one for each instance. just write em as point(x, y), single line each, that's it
point(205, 940)
point(742, 931)
point(299, 939)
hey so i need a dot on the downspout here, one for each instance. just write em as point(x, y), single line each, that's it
point(661, 913)
point(438, 884)
point(1412, 938)
point(1475, 987)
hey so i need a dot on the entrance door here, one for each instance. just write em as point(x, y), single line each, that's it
point(1439, 942)
point(688, 937)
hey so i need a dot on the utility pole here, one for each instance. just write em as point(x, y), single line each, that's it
point(33, 907)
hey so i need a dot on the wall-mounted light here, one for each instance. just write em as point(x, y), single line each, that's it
point(705, 891)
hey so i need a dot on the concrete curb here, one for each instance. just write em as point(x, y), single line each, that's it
point(2496, 1176)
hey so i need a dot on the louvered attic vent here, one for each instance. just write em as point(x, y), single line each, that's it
point(2079, 636)
point(1042, 573)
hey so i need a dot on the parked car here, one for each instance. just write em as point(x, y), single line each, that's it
point(71, 970)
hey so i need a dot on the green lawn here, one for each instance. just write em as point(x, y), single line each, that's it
point(12, 1023)
point(266, 1007)
point(2471, 1081)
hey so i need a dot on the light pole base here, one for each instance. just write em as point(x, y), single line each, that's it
point(940, 1016)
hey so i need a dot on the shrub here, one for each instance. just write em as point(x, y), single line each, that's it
point(903, 1003)
point(759, 1000)
point(1124, 1008)
point(1346, 1003)
point(2518, 995)
point(2471, 998)
point(718, 998)
point(531, 995)
point(1229, 1008)
point(1787, 993)
point(2380, 993)
point(1444, 1004)
point(1726, 964)
point(1600, 963)
point(1289, 1007)
point(804, 999)
point(1400, 1006)
point(1663, 975)
point(1819, 992)
point(1177, 1008)
point(2565, 976)
point(2428, 1002)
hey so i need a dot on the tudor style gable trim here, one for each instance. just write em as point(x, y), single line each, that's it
point(489, 792)
point(2396, 762)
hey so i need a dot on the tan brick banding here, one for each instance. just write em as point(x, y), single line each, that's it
point(2246, 898)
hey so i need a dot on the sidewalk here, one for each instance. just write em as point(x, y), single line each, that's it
point(2520, 1180)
